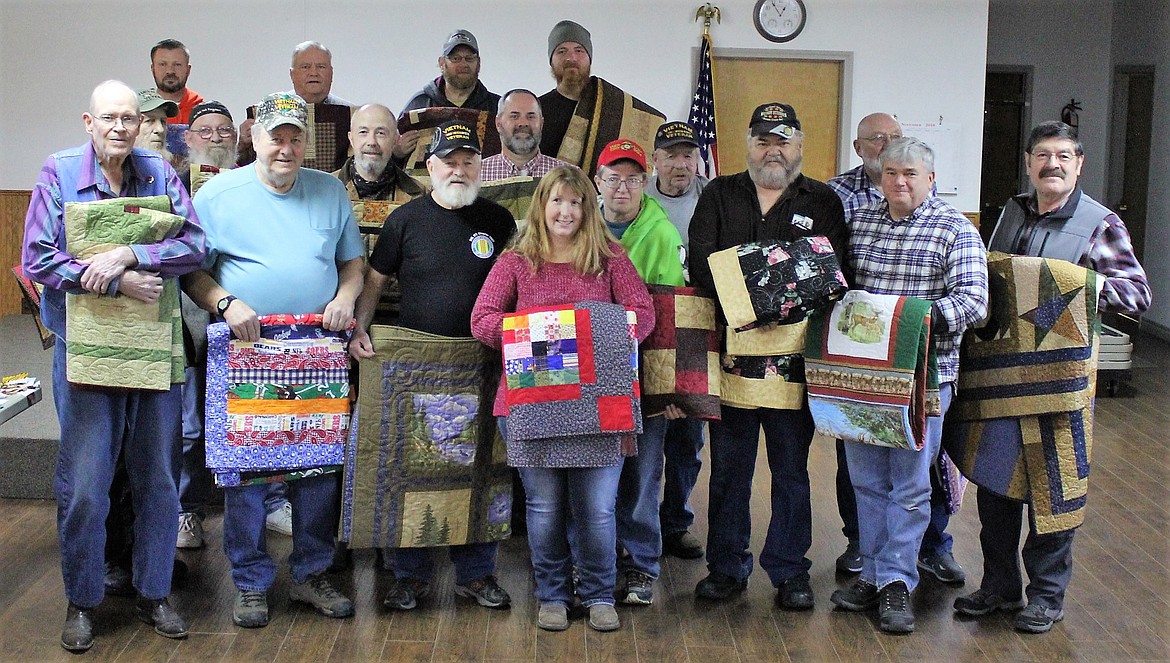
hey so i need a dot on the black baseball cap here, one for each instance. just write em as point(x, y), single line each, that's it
point(454, 135)
point(208, 108)
point(675, 133)
point(774, 118)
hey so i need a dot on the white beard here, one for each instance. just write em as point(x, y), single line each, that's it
point(453, 197)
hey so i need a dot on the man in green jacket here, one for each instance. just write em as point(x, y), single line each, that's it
point(655, 247)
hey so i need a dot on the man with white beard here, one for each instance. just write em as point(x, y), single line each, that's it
point(152, 131)
point(211, 141)
point(441, 248)
point(772, 200)
point(370, 174)
point(520, 122)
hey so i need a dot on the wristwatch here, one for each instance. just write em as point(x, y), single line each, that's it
point(222, 305)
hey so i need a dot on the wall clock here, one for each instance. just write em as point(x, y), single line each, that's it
point(780, 20)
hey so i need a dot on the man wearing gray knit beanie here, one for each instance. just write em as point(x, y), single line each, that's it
point(570, 54)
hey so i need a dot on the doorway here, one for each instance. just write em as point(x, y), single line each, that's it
point(1007, 101)
point(1129, 149)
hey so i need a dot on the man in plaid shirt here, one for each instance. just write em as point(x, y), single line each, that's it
point(909, 244)
point(1054, 220)
point(520, 123)
point(858, 186)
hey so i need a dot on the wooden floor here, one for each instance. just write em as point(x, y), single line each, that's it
point(1117, 609)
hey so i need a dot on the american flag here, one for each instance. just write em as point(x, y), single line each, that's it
point(702, 116)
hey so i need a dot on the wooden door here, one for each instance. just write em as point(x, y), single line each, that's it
point(1131, 207)
point(1005, 118)
point(811, 87)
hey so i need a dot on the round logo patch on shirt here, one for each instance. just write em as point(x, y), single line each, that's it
point(482, 245)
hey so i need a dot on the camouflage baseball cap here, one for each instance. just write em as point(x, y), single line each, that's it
point(282, 108)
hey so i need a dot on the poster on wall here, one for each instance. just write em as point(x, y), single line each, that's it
point(944, 140)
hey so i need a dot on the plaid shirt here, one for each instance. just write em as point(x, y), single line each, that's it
point(498, 167)
point(855, 189)
point(934, 254)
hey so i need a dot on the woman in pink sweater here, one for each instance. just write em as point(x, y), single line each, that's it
point(565, 255)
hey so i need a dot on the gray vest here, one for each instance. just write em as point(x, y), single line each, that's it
point(1056, 235)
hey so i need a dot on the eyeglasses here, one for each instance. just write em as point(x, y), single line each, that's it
point(1061, 157)
point(882, 138)
point(128, 121)
point(631, 182)
point(469, 59)
point(224, 132)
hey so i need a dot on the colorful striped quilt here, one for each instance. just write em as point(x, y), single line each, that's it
point(121, 341)
point(868, 365)
point(279, 404)
point(425, 464)
point(680, 359)
point(570, 371)
point(1021, 424)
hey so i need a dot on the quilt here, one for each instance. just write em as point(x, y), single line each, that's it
point(868, 366)
point(483, 122)
point(606, 113)
point(121, 341)
point(328, 144)
point(680, 358)
point(760, 283)
point(513, 194)
point(425, 464)
point(279, 404)
point(764, 367)
point(32, 297)
point(1022, 419)
point(200, 174)
point(570, 371)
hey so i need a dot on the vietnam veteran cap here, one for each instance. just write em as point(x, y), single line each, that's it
point(774, 118)
point(675, 133)
point(149, 99)
point(451, 136)
point(622, 148)
point(282, 108)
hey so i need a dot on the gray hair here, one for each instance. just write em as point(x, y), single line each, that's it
point(307, 45)
point(1055, 129)
point(504, 99)
point(907, 150)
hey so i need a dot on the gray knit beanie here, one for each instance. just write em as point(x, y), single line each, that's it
point(569, 31)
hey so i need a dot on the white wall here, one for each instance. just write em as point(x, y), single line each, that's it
point(1068, 44)
point(52, 53)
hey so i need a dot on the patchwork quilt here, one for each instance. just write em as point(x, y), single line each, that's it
point(868, 366)
point(32, 296)
point(605, 113)
point(1021, 425)
point(571, 371)
point(483, 122)
point(277, 405)
point(760, 283)
point(328, 144)
point(425, 464)
point(764, 367)
point(680, 359)
point(121, 341)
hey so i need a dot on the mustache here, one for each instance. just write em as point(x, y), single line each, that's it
point(1049, 172)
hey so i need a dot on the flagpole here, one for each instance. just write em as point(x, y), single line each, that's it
point(702, 116)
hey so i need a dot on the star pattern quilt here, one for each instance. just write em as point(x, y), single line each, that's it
point(279, 404)
point(680, 358)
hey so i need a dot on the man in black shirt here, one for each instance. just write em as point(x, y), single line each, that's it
point(771, 200)
point(441, 247)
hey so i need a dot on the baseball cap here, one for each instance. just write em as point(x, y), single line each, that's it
point(209, 108)
point(149, 99)
point(675, 133)
point(774, 118)
point(622, 148)
point(282, 108)
point(451, 136)
point(460, 38)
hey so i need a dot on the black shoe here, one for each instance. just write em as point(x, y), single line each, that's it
point(1035, 618)
point(894, 608)
point(405, 593)
point(944, 568)
point(683, 545)
point(118, 581)
point(160, 614)
point(77, 634)
point(861, 596)
point(795, 594)
point(719, 586)
point(980, 603)
point(850, 560)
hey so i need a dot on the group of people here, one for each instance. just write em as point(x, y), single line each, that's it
point(261, 234)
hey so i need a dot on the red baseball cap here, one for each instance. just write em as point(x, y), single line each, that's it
point(622, 148)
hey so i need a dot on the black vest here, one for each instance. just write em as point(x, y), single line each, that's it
point(1064, 233)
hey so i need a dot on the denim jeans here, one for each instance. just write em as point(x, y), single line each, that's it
point(587, 495)
point(472, 561)
point(195, 481)
point(893, 502)
point(734, 441)
point(638, 529)
point(96, 425)
point(1047, 557)
point(314, 520)
point(683, 451)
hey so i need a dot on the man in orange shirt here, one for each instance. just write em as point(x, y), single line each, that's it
point(170, 63)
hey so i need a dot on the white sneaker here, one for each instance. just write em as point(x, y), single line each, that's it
point(280, 521)
point(190, 531)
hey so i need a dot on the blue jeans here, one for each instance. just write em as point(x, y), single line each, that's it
point(683, 450)
point(638, 529)
point(314, 520)
point(893, 502)
point(587, 495)
point(96, 425)
point(195, 481)
point(1047, 557)
point(734, 441)
point(472, 561)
